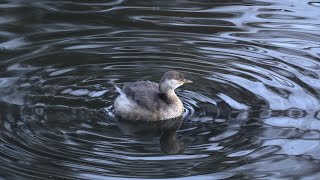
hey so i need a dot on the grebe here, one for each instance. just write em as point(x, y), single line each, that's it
point(150, 101)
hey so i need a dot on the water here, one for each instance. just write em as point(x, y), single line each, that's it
point(252, 112)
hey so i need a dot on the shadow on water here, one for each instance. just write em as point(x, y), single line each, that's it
point(253, 111)
point(166, 129)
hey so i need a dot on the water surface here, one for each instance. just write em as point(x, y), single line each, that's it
point(253, 111)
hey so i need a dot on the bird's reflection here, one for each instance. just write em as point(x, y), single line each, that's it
point(167, 129)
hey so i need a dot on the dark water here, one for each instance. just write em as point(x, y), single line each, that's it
point(252, 113)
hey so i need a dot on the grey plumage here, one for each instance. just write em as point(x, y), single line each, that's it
point(146, 94)
point(145, 100)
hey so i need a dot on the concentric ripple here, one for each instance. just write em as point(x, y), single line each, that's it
point(253, 111)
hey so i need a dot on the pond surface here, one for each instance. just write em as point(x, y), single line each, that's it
point(253, 111)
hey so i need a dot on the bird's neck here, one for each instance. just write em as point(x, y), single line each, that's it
point(169, 96)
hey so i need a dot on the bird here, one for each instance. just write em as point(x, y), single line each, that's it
point(150, 101)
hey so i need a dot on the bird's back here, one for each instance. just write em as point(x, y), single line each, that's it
point(144, 93)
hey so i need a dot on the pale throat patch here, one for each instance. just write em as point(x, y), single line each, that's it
point(169, 84)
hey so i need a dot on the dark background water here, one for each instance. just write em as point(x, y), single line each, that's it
point(252, 113)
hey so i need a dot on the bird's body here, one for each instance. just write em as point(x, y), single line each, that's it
point(149, 101)
point(142, 100)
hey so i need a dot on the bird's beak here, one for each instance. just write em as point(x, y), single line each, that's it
point(187, 81)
